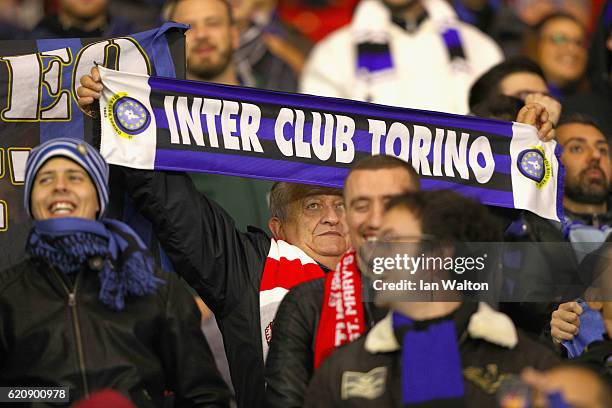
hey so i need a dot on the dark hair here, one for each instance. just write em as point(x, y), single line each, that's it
point(282, 194)
point(169, 8)
point(501, 107)
point(488, 84)
point(449, 216)
point(578, 117)
point(539, 26)
point(380, 162)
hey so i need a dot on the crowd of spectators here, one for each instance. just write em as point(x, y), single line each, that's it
point(544, 63)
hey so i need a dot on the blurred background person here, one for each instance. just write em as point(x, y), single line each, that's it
point(211, 44)
point(82, 18)
point(560, 48)
point(409, 53)
point(263, 59)
point(497, 19)
point(16, 16)
point(567, 385)
point(532, 11)
point(516, 77)
point(598, 101)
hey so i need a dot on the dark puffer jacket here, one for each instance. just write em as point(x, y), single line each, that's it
point(54, 332)
point(367, 372)
point(290, 363)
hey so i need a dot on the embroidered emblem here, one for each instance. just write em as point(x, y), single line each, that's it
point(370, 385)
point(532, 163)
point(128, 116)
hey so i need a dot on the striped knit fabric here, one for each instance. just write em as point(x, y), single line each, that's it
point(286, 266)
point(76, 150)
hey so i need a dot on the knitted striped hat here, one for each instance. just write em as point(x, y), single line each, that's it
point(76, 150)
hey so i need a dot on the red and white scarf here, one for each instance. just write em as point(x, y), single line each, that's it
point(286, 266)
point(342, 317)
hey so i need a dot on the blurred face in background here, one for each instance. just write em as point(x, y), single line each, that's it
point(561, 51)
point(520, 84)
point(84, 9)
point(243, 11)
point(212, 38)
point(366, 192)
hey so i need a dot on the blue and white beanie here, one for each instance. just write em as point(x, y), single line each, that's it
point(76, 150)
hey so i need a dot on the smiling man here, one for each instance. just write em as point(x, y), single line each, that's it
point(52, 197)
point(105, 315)
point(304, 328)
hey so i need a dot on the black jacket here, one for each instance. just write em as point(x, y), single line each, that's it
point(223, 264)
point(374, 361)
point(54, 332)
point(290, 362)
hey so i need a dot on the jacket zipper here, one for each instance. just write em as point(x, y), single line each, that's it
point(77, 328)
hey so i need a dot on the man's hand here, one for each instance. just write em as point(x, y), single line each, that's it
point(540, 111)
point(552, 106)
point(90, 90)
point(565, 321)
point(536, 115)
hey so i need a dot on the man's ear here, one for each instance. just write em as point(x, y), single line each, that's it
point(276, 227)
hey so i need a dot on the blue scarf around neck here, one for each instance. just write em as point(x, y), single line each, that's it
point(71, 244)
point(431, 363)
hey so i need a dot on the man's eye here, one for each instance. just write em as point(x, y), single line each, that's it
point(214, 22)
point(44, 180)
point(575, 149)
point(361, 207)
point(313, 206)
point(604, 151)
point(340, 206)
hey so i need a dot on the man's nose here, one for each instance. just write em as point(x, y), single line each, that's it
point(60, 183)
point(375, 216)
point(333, 215)
point(199, 31)
point(596, 154)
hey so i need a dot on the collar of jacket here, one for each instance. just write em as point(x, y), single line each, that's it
point(487, 324)
point(596, 220)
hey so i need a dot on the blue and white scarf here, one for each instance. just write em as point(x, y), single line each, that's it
point(166, 124)
point(71, 245)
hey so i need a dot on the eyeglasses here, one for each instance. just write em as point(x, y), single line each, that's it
point(562, 39)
